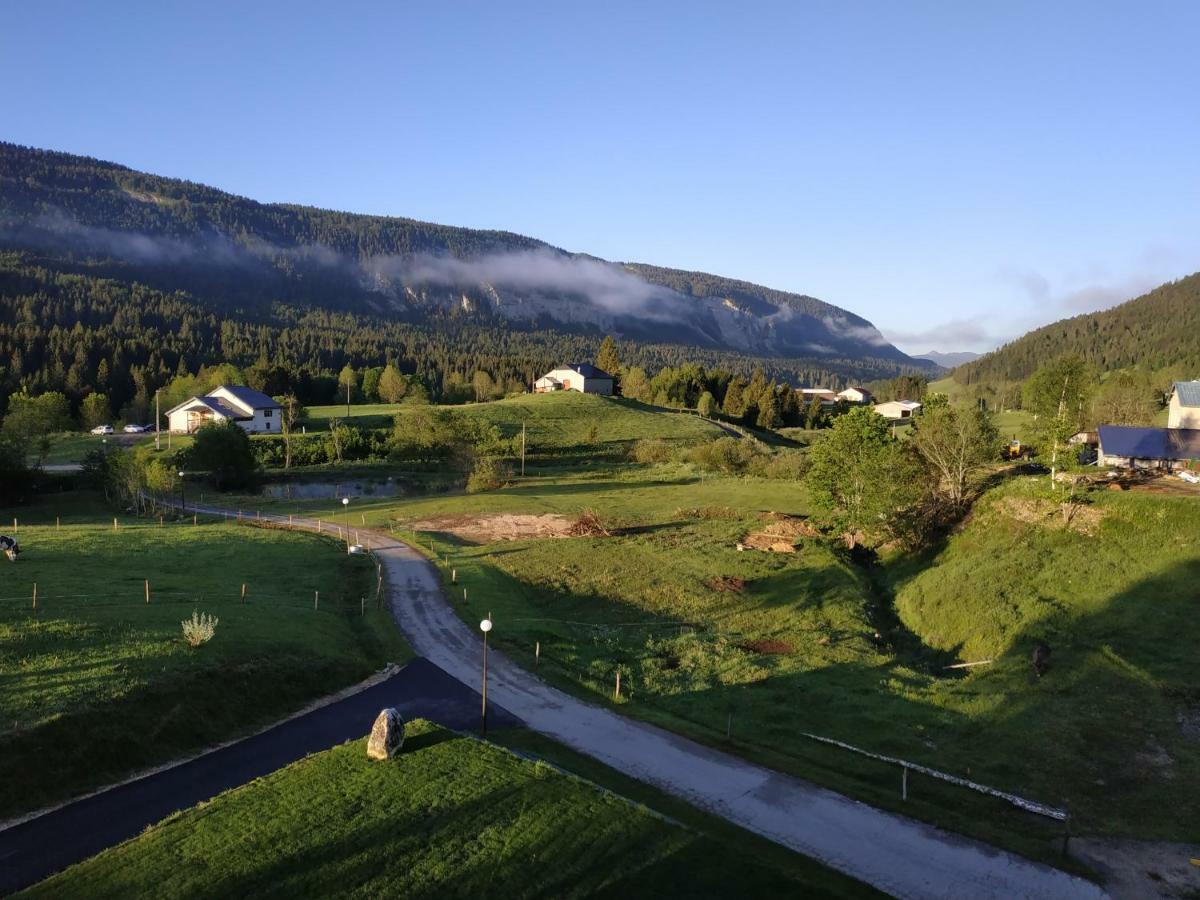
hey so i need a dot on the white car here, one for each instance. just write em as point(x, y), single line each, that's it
point(102, 429)
point(135, 429)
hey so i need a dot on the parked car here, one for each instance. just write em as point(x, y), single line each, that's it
point(135, 429)
point(102, 429)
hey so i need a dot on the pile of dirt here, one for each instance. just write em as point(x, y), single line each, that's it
point(767, 646)
point(727, 584)
point(779, 535)
point(1077, 517)
point(488, 529)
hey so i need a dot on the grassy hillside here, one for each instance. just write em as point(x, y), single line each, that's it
point(554, 422)
point(448, 817)
point(1157, 331)
point(94, 669)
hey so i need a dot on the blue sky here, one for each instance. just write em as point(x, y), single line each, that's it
point(955, 172)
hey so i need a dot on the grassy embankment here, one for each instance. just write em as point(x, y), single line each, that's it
point(98, 683)
point(448, 817)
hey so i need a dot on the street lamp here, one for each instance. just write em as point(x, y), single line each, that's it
point(346, 517)
point(485, 626)
point(182, 496)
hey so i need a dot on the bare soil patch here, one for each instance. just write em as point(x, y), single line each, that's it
point(768, 646)
point(1079, 517)
point(780, 533)
point(727, 584)
point(500, 527)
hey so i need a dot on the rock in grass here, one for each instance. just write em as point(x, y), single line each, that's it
point(387, 735)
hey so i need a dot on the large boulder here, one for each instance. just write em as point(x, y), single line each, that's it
point(387, 735)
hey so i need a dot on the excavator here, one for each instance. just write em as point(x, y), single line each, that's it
point(1016, 450)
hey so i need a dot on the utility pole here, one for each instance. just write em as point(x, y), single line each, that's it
point(347, 399)
point(157, 419)
point(522, 449)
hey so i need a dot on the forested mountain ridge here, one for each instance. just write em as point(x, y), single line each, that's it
point(181, 235)
point(1157, 332)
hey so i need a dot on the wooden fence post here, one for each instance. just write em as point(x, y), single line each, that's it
point(318, 526)
point(453, 576)
point(363, 605)
point(193, 518)
point(160, 521)
point(316, 599)
point(289, 520)
point(35, 595)
point(147, 590)
point(729, 726)
point(114, 523)
point(904, 783)
point(57, 522)
point(464, 595)
point(537, 653)
point(243, 592)
point(617, 691)
point(15, 527)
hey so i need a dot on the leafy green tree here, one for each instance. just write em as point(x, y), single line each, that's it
point(32, 420)
point(347, 384)
point(370, 384)
point(735, 401)
point(291, 414)
point(488, 474)
point(224, 453)
point(94, 410)
point(860, 478)
point(484, 385)
point(392, 385)
point(956, 444)
point(706, 405)
point(814, 414)
point(1125, 398)
point(1059, 395)
point(636, 386)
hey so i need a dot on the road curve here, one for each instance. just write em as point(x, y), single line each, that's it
point(895, 854)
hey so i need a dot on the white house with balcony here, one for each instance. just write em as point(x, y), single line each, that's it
point(253, 411)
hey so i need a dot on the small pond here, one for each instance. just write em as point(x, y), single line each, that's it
point(331, 490)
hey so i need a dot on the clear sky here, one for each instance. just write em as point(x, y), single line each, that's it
point(954, 171)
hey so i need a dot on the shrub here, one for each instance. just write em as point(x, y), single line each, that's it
point(784, 465)
point(490, 472)
point(650, 450)
point(199, 629)
point(728, 455)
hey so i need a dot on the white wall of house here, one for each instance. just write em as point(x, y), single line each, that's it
point(187, 418)
point(1180, 416)
point(854, 395)
point(261, 421)
point(570, 380)
point(897, 409)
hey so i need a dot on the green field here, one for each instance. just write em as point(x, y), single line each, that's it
point(448, 817)
point(554, 422)
point(98, 683)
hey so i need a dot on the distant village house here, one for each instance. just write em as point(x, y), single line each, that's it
point(825, 395)
point(856, 395)
point(898, 409)
point(252, 410)
point(575, 377)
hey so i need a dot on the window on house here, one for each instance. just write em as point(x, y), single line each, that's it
point(267, 413)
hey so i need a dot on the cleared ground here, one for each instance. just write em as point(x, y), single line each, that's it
point(448, 817)
point(98, 682)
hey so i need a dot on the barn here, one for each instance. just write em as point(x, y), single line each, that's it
point(1126, 447)
point(575, 377)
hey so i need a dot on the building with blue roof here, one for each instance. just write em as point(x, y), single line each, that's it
point(1123, 446)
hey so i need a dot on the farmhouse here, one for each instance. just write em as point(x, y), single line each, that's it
point(898, 409)
point(253, 410)
point(575, 377)
point(1183, 411)
point(825, 395)
point(856, 395)
point(1149, 448)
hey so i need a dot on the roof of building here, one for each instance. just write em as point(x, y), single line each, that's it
point(1150, 443)
point(215, 404)
point(907, 404)
point(1188, 393)
point(861, 390)
point(587, 370)
point(252, 398)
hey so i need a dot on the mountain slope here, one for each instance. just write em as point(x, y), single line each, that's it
point(236, 255)
point(948, 360)
point(1157, 331)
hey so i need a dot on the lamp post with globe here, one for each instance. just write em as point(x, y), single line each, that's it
point(182, 496)
point(485, 626)
point(346, 518)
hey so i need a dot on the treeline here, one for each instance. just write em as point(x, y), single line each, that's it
point(80, 334)
point(1157, 334)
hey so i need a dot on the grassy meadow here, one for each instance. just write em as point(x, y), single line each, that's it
point(98, 683)
point(448, 817)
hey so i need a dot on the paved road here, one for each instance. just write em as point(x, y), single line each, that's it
point(40, 847)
